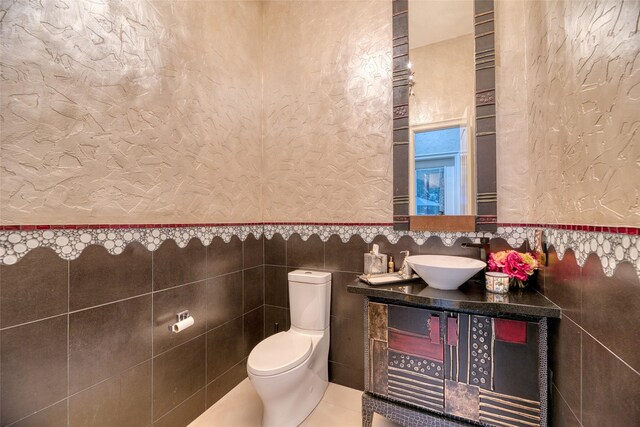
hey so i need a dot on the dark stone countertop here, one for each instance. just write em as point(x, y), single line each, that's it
point(468, 298)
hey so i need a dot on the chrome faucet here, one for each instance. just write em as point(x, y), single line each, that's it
point(484, 246)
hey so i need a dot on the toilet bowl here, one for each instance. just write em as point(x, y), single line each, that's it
point(289, 370)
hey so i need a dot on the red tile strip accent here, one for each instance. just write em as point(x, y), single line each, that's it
point(213, 224)
point(633, 231)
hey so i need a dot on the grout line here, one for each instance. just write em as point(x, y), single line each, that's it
point(206, 327)
point(40, 410)
point(225, 372)
point(607, 348)
point(581, 372)
point(179, 345)
point(178, 404)
point(110, 378)
point(68, 339)
point(114, 301)
point(152, 320)
point(1, 339)
point(156, 291)
point(566, 403)
point(34, 321)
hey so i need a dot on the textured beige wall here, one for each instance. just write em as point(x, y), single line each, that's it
point(444, 76)
point(583, 87)
point(511, 121)
point(130, 111)
point(327, 111)
point(143, 111)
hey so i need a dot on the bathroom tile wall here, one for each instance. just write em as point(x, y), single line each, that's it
point(593, 348)
point(88, 339)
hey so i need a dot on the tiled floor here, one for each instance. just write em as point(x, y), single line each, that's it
point(241, 407)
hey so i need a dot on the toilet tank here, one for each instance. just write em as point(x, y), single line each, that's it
point(310, 299)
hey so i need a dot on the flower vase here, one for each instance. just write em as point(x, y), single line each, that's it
point(497, 283)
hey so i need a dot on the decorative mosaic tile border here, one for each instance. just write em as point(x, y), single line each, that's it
point(369, 231)
point(70, 241)
point(611, 248)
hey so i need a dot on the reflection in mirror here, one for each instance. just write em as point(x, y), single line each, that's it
point(441, 107)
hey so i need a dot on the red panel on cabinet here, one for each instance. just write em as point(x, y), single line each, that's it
point(414, 344)
point(514, 331)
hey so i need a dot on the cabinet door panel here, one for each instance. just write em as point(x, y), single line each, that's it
point(491, 371)
point(475, 367)
point(378, 329)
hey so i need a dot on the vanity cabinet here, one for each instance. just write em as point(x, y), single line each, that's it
point(488, 370)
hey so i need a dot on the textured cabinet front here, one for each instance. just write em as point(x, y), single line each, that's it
point(475, 367)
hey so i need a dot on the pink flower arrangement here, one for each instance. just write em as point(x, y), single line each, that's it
point(517, 265)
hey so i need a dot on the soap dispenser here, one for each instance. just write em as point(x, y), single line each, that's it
point(375, 262)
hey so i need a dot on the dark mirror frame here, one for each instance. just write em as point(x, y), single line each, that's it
point(485, 130)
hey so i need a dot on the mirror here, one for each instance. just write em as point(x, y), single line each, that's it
point(441, 108)
point(444, 115)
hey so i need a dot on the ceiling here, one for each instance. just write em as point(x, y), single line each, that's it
point(432, 21)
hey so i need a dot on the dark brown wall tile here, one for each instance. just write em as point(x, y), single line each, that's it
point(435, 246)
point(178, 374)
point(224, 299)
point(275, 250)
point(225, 348)
point(276, 286)
point(225, 382)
point(565, 356)
point(253, 251)
point(253, 329)
point(166, 304)
point(611, 308)
point(123, 400)
point(184, 413)
point(344, 303)
point(97, 277)
point(273, 315)
point(305, 254)
point(53, 416)
point(45, 275)
point(253, 283)
point(348, 256)
point(499, 244)
point(107, 340)
point(560, 413)
point(173, 266)
point(610, 389)
point(346, 375)
point(33, 367)
point(347, 342)
point(223, 258)
point(563, 284)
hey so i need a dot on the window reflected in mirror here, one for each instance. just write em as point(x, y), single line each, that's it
point(441, 164)
point(442, 107)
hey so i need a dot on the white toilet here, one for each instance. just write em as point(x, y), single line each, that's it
point(289, 370)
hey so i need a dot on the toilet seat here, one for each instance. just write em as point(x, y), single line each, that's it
point(279, 353)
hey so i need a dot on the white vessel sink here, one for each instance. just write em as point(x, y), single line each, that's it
point(443, 271)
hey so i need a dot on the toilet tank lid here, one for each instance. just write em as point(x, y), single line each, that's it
point(309, 276)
